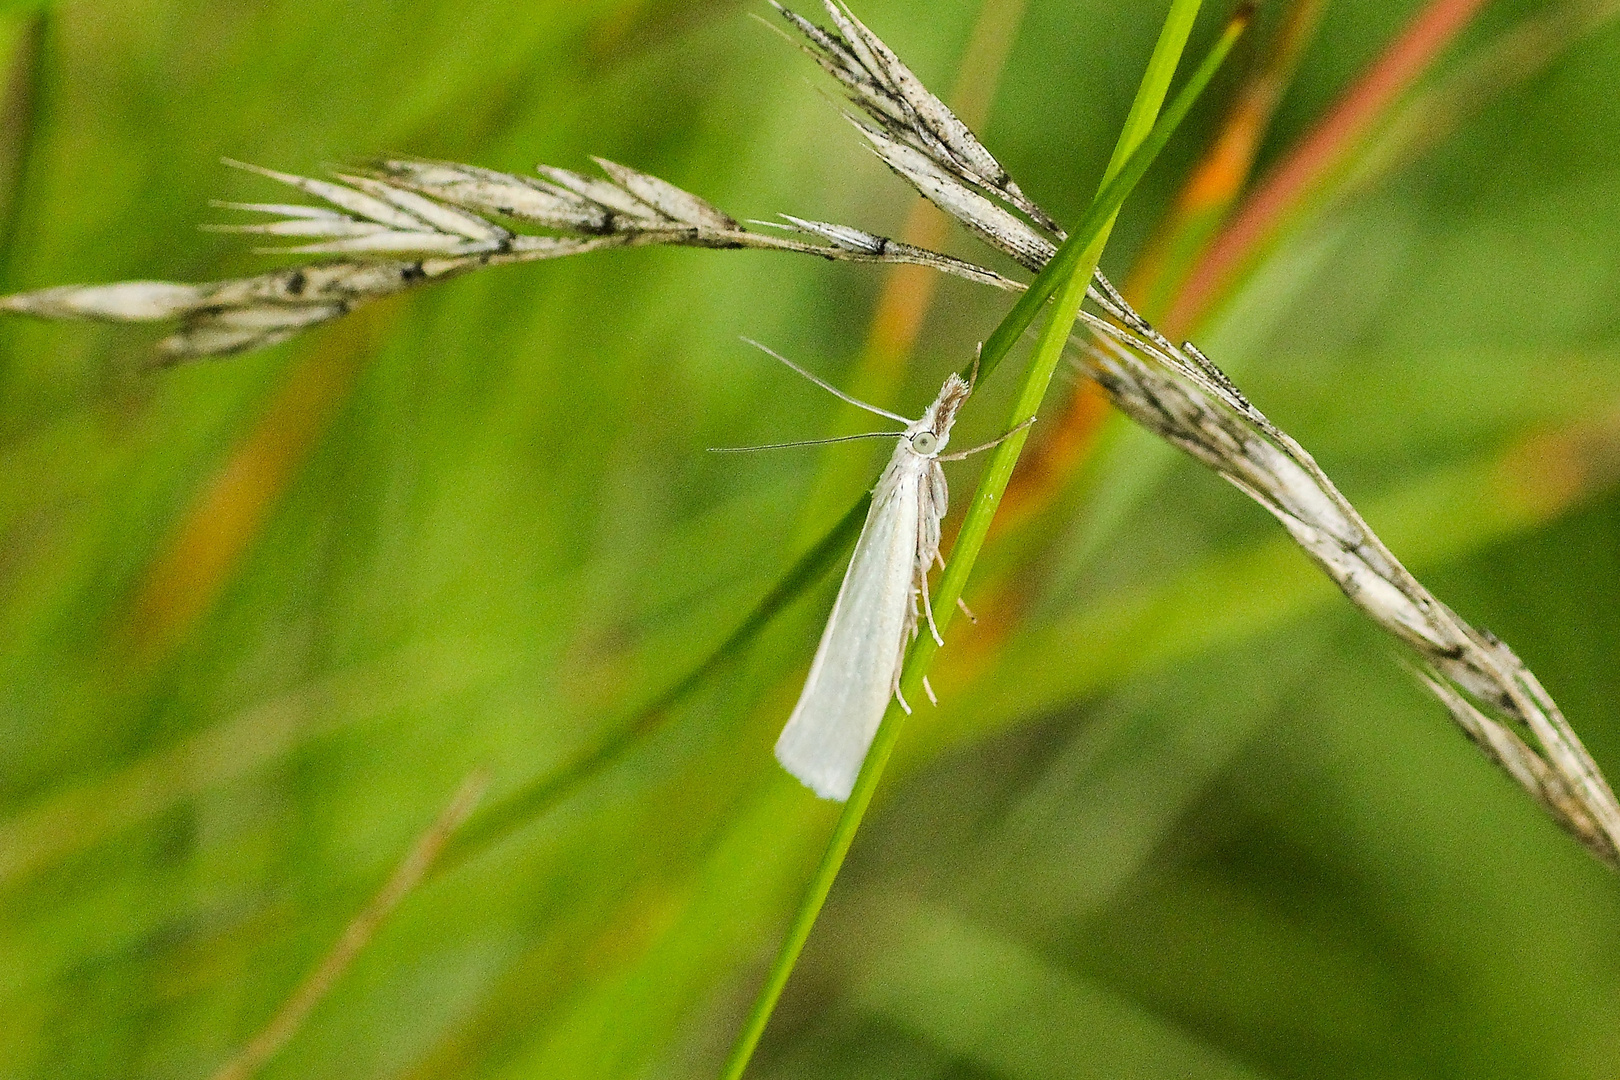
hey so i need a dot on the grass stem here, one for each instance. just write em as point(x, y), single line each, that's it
point(1066, 276)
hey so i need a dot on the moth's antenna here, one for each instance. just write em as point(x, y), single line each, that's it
point(831, 389)
point(805, 442)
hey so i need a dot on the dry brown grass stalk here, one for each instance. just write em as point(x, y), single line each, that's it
point(319, 982)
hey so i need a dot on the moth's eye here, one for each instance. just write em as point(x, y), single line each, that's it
point(924, 442)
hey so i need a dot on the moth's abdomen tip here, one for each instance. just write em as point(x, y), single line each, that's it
point(827, 780)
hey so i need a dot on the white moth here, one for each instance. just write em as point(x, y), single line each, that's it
point(857, 665)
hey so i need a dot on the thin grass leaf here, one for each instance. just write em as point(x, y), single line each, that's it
point(407, 208)
point(609, 197)
point(441, 218)
point(1525, 765)
point(887, 91)
point(488, 191)
point(1180, 395)
point(381, 211)
point(385, 243)
point(669, 200)
point(125, 301)
point(395, 221)
point(331, 968)
point(336, 225)
point(996, 226)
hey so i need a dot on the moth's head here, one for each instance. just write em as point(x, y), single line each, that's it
point(929, 435)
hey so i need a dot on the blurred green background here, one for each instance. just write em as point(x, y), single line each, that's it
point(1180, 813)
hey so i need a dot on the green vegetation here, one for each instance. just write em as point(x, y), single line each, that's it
point(1178, 813)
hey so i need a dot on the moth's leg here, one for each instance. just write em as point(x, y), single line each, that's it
point(936, 503)
point(927, 548)
point(928, 604)
point(972, 618)
point(900, 660)
point(910, 633)
point(970, 451)
point(928, 607)
point(932, 700)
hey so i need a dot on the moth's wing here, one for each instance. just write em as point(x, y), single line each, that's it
point(852, 677)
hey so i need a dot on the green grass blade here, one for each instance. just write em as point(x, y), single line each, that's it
point(1100, 216)
point(535, 798)
point(1070, 271)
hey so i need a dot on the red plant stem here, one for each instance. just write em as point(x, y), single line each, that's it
point(1289, 183)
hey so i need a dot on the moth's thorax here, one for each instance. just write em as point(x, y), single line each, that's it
point(937, 421)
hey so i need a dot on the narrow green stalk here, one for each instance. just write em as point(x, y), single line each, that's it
point(1067, 276)
point(1106, 205)
point(1150, 95)
point(1072, 277)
